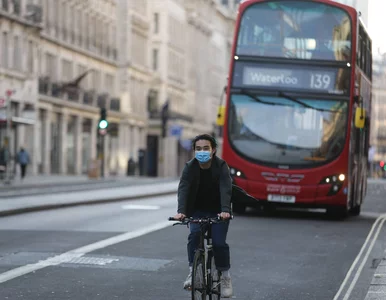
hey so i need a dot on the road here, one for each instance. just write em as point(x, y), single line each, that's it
point(128, 250)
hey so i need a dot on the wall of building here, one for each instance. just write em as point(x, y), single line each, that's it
point(126, 50)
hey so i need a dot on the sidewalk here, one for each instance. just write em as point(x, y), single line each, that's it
point(39, 181)
point(139, 189)
point(377, 290)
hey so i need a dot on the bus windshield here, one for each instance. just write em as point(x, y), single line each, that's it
point(278, 130)
point(295, 29)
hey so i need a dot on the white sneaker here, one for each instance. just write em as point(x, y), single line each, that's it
point(188, 282)
point(226, 287)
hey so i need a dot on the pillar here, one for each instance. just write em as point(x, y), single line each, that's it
point(63, 143)
point(93, 148)
point(78, 145)
point(47, 145)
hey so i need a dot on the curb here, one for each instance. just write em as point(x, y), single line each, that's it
point(53, 206)
point(10, 187)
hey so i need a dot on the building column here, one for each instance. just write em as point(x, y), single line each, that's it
point(93, 139)
point(143, 137)
point(106, 156)
point(168, 159)
point(20, 129)
point(136, 142)
point(63, 143)
point(130, 141)
point(32, 138)
point(47, 145)
point(78, 145)
point(123, 154)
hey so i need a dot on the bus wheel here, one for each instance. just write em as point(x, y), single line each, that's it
point(239, 208)
point(337, 212)
point(356, 210)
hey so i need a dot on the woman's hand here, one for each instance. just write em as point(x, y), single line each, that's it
point(225, 215)
point(179, 216)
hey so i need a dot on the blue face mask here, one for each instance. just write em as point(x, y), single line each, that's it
point(203, 156)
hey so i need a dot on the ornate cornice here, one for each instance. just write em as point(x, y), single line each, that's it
point(195, 20)
point(139, 21)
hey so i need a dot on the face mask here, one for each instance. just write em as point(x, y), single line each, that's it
point(203, 156)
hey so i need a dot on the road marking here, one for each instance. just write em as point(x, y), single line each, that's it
point(144, 207)
point(378, 223)
point(79, 252)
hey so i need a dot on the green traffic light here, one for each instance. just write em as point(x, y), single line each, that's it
point(103, 124)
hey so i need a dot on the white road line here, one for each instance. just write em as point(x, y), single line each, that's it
point(379, 221)
point(67, 256)
point(143, 207)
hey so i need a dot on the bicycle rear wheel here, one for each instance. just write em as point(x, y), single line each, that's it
point(198, 277)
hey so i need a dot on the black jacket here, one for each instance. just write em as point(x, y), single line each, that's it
point(190, 180)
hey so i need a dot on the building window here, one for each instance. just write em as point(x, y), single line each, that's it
point(84, 82)
point(16, 7)
point(109, 84)
point(155, 59)
point(5, 5)
point(5, 50)
point(96, 80)
point(156, 22)
point(30, 61)
point(51, 66)
point(66, 70)
point(17, 59)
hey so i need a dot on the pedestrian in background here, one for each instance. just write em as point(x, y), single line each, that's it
point(23, 160)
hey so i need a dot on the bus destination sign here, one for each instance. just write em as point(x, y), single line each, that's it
point(288, 78)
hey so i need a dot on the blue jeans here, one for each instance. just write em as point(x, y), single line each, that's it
point(220, 247)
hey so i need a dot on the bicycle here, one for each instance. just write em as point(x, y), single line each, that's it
point(205, 281)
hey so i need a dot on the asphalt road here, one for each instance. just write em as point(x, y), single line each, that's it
point(132, 252)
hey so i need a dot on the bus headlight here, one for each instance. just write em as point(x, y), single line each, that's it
point(236, 173)
point(336, 181)
point(333, 179)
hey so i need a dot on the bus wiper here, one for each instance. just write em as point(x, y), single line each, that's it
point(293, 99)
point(257, 99)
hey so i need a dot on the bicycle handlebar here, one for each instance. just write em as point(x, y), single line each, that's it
point(203, 220)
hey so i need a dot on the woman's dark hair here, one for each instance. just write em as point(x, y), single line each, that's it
point(206, 137)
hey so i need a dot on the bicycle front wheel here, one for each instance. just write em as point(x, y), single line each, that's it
point(198, 277)
point(215, 281)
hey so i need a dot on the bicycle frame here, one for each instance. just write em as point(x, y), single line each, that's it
point(205, 250)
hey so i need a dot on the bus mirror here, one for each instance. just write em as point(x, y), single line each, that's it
point(220, 116)
point(360, 117)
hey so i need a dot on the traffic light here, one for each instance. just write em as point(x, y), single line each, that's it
point(382, 164)
point(103, 123)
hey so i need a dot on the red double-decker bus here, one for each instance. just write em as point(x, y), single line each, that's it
point(296, 120)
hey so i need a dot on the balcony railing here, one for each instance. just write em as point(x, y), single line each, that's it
point(154, 115)
point(32, 18)
point(78, 95)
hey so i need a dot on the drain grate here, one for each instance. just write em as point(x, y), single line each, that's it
point(98, 261)
point(74, 260)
